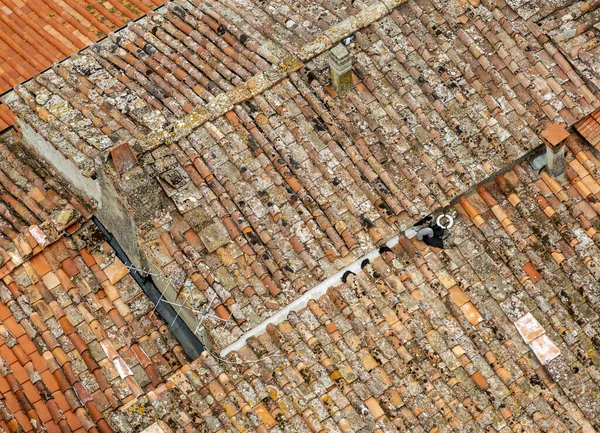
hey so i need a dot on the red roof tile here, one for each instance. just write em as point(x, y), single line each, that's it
point(69, 349)
point(63, 335)
point(389, 350)
point(7, 117)
point(291, 183)
point(38, 33)
point(589, 128)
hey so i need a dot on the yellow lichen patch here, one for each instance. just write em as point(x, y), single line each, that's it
point(257, 84)
point(290, 63)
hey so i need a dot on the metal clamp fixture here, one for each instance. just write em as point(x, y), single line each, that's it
point(448, 219)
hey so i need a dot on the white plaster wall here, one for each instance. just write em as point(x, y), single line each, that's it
point(86, 186)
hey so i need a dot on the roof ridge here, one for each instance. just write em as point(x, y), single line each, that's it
point(262, 81)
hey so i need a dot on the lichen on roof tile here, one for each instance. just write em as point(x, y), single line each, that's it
point(36, 35)
point(255, 181)
point(78, 337)
point(391, 347)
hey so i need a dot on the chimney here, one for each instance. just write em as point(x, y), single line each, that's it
point(340, 64)
point(554, 138)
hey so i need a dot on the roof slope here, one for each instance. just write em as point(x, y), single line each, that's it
point(7, 118)
point(78, 337)
point(275, 183)
point(589, 128)
point(36, 34)
point(305, 182)
point(34, 212)
point(166, 74)
point(499, 330)
point(574, 30)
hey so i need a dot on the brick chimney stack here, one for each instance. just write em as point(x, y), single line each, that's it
point(340, 64)
point(554, 138)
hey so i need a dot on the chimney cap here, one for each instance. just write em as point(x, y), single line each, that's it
point(555, 134)
point(339, 52)
point(123, 157)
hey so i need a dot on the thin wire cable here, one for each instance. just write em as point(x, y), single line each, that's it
point(200, 320)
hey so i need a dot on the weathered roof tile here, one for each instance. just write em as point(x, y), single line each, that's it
point(229, 125)
point(378, 369)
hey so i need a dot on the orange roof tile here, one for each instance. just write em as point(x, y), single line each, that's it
point(36, 34)
point(488, 319)
point(554, 134)
point(7, 117)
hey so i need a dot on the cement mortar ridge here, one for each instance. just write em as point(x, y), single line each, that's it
point(263, 81)
point(299, 304)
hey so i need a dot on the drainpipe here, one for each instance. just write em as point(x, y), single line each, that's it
point(189, 342)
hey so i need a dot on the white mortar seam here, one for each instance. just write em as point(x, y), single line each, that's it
point(299, 304)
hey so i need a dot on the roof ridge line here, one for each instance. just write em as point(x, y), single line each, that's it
point(263, 81)
point(315, 293)
point(321, 289)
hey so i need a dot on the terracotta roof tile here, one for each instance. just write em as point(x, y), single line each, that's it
point(392, 350)
point(73, 364)
point(7, 117)
point(262, 182)
point(573, 29)
point(293, 183)
point(58, 325)
point(35, 35)
point(589, 128)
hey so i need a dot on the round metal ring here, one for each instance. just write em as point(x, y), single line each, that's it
point(449, 219)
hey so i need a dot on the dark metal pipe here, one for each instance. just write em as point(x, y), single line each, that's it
point(189, 342)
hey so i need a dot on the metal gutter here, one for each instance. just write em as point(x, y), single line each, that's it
point(189, 342)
